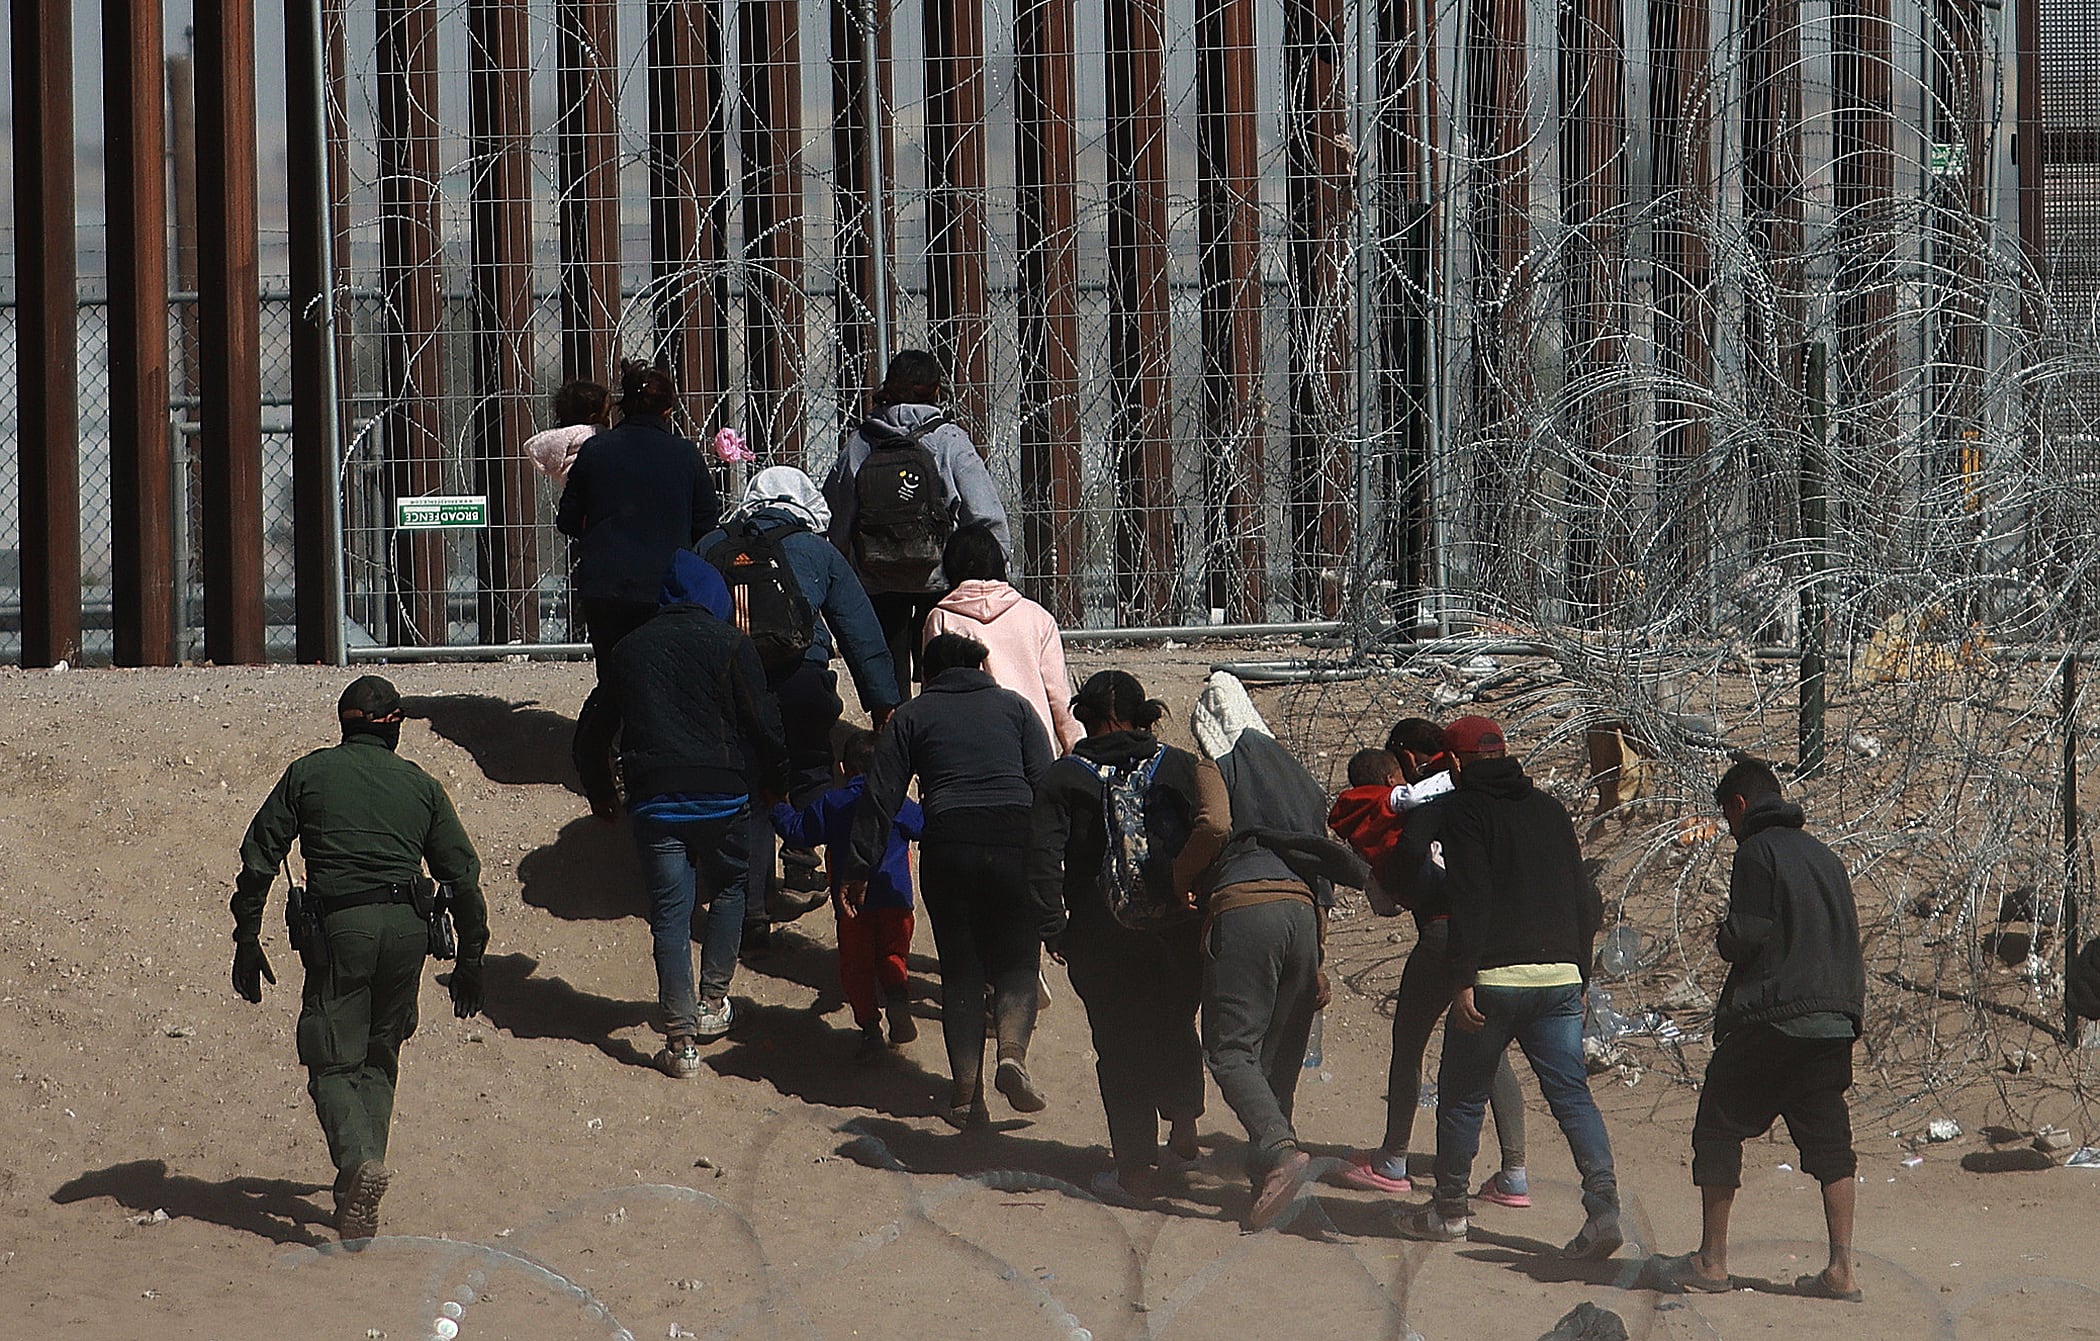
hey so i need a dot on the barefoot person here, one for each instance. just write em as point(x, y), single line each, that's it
point(366, 821)
point(1788, 1017)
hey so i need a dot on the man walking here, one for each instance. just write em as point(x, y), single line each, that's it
point(366, 821)
point(1263, 936)
point(1523, 917)
point(700, 734)
point(1789, 1014)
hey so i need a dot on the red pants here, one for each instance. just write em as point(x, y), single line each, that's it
point(872, 950)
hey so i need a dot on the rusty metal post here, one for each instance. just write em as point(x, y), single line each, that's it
point(1680, 119)
point(1773, 205)
point(317, 484)
point(1404, 305)
point(1230, 264)
point(142, 529)
point(229, 327)
point(957, 301)
point(1871, 259)
point(47, 325)
point(862, 144)
point(410, 257)
point(1140, 354)
point(1958, 310)
point(1594, 324)
point(687, 197)
point(499, 73)
point(1321, 203)
point(1498, 103)
point(588, 161)
point(1048, 234)
point(770, 62)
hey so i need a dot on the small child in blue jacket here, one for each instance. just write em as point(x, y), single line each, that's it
point(875, 938)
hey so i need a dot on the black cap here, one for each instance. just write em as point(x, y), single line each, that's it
point(370, 697)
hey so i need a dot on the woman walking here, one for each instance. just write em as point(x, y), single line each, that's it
point(977, 751)
point(1141, 988)
point(1027, 652)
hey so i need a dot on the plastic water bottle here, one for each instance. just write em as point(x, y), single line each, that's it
point(1621, 952)
point(1312, 1041)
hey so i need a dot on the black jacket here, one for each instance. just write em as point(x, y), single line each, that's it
point(694, 712)
point(1279, 824)
point(1513, 873)
point(1791, 937)
point(1068, 839)
point(636, 495)
point(973, 746)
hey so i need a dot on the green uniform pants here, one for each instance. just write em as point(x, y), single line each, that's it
point(354, 1016)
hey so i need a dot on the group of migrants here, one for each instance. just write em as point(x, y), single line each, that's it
point(1185, 894)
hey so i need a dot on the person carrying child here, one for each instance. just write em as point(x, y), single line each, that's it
point(1393, 794)
point(875, 929)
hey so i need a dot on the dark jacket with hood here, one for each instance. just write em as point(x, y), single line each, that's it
point(977, 751)
point(972, 498)
point(1513, 874)
point(696, 719)
point(1068, 838)
point(1791, 937)
point(637, 494)
point(1279, 824)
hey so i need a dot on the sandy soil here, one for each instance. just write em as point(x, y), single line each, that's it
point(551, 1186)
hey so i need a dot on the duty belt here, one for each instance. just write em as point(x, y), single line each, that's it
point(366, 898)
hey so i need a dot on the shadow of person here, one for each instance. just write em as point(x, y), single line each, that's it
point(526, 1006)
point(272, 1208)
point(587, 874)
point(802, 1055)
point(1543, 1261)
point(519, 744)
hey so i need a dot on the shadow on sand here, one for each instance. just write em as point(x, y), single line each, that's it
point(518, 744)
point(526, 1006)
point(276, 1209)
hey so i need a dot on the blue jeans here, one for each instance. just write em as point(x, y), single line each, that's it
point(1547, 1023)
point(674, 858)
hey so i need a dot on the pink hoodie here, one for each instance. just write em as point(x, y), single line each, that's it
point(1027, 655)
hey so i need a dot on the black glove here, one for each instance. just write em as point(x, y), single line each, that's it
point(251, 967)
point(2082, 983)
point(466, 988)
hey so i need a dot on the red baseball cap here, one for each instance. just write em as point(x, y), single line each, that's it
point(1473, 735)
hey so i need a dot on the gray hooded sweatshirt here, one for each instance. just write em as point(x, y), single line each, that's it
point(971, 497)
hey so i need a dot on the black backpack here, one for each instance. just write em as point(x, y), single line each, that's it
point(901, 522)
point(766, 600)
point(1146, 825)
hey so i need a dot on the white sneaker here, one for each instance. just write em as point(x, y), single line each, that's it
point(715, 1017)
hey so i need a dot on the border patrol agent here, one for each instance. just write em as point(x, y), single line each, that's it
point(366, 821)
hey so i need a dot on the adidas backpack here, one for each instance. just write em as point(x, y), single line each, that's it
point(766, 600)
point(901, 521)
point(1146, 826)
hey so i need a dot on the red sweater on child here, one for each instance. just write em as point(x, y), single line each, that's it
point(1363, 818)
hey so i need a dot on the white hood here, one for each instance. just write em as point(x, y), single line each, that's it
point(788, 490)
point(1222, 712)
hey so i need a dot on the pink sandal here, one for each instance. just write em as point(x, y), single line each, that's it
point(1492, 1190)
point(1358, 1172)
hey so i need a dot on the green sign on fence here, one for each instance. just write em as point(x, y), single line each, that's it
point(441, 512)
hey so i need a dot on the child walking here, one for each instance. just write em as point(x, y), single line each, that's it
point(875, 937)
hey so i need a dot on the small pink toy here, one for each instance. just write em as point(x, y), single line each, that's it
point(730, 448)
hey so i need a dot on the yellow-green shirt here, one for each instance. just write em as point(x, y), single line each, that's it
point(1529, 975)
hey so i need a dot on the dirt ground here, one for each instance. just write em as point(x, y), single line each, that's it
point(550, 1185)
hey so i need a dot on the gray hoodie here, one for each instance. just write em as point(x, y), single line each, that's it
point(971, 497)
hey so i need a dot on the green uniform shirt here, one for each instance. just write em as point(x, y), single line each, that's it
point(364, 817)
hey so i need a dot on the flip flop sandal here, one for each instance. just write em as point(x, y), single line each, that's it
point(1816, 1287)
point(1679, 1273)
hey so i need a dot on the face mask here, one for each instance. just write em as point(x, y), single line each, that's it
point(386, 733)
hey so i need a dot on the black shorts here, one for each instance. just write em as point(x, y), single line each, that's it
point(1758, 1074)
